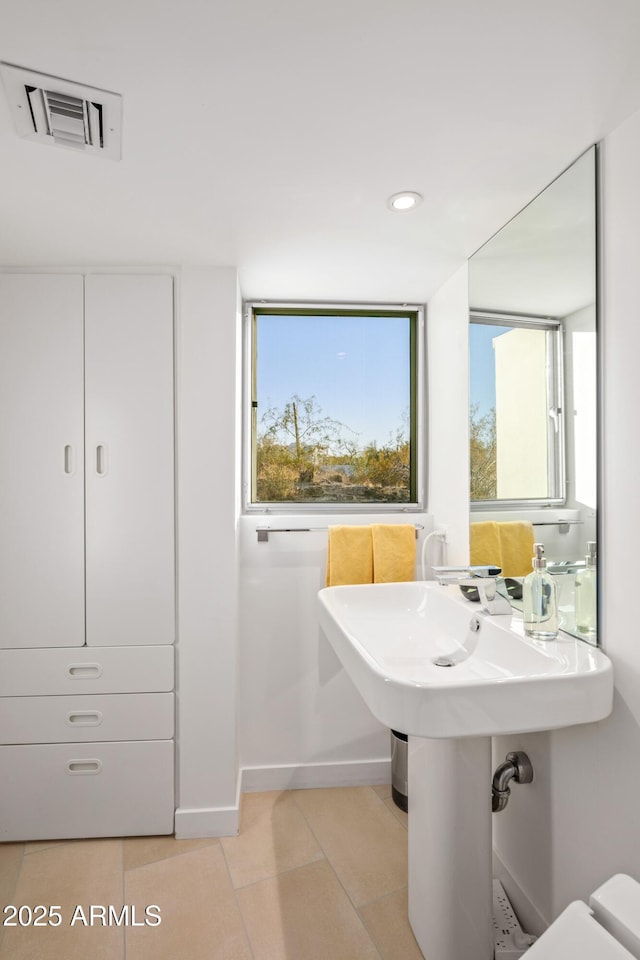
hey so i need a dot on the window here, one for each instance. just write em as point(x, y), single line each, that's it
point(333, 405)
point(515, 416)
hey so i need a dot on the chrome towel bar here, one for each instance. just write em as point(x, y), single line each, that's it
point(563, 525)
point(263, 532)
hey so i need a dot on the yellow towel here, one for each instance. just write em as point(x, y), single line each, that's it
point(394, 552)
point(516, 542)
point(349, 555)
point(485, 546)
point(508, 544)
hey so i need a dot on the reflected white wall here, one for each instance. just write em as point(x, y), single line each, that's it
point(521, 415)
point(581, 405)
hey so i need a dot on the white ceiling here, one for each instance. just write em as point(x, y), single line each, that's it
point(269, 133)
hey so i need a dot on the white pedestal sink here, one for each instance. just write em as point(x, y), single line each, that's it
point(389, 638)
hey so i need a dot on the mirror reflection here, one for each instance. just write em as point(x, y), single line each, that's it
point(533, 393)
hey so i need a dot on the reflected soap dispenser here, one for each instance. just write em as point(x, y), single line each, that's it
point(539, 599)
point(586, 594)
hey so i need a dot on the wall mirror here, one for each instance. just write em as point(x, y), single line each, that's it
point(533, 377)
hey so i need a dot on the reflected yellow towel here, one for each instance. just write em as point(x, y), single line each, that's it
point(485, 544)
point(349, 556)
point(394, 552)
point(516, 543)
point(508, 544)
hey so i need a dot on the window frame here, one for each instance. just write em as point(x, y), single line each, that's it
point(556, 446)
point(417, 425)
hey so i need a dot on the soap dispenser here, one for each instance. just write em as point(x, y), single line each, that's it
point(540, 601)
point(586, 594)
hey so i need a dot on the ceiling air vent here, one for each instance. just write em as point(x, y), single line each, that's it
point(62, 113)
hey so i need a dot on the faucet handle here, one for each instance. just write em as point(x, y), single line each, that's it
point(484, 580)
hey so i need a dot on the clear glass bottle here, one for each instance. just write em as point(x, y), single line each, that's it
point(539, 599)
point(586, 594)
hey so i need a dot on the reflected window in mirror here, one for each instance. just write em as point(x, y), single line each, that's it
point(516, 434)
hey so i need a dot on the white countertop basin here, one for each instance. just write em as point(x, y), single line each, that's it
point(388, 635)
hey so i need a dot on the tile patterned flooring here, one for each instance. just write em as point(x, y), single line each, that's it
point(314, 875)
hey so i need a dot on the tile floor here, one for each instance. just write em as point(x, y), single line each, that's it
point(313, 875)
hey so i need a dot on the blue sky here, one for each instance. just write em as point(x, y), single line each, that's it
point(357, 367)
point(482, 374)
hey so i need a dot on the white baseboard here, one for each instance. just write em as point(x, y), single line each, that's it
point(211, 822)
point(531, 920)
point(224, 821)
point(300, 777)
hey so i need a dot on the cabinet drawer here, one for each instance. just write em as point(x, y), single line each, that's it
point(55, 672)
point(83, 719)
point(86, 790)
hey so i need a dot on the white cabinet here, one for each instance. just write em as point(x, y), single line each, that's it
point(87, 742)
point(129, 461)
point(86, 357)
point(41, 461)
point(87, 568)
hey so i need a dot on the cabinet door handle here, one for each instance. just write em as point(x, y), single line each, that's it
point(101, 459)
point(91, 718)
point(84, 671)
point(68, 460)
point(80, 767)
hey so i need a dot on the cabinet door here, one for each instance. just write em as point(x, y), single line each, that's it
point(41, 461)
point(130, 579)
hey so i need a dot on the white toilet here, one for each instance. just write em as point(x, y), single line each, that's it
point(607, 929)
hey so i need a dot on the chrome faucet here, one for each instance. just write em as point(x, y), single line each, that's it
point(484, 579)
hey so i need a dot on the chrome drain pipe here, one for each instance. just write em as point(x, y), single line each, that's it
point(517, 766)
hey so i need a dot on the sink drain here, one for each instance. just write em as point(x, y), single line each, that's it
point(444, 662)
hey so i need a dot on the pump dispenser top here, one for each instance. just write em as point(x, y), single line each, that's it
point(538, 561)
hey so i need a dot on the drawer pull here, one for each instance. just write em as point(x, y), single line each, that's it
point(84, 767)
point(84, 671)
point(92, 718)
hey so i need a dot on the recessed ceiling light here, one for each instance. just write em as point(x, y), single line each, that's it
point(406, 200)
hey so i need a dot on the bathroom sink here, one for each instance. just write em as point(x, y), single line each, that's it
point(428, 662)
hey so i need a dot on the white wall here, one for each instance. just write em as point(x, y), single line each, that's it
point(207, 348)
point(301, 721)
point(579, 822)
point(448, 414)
